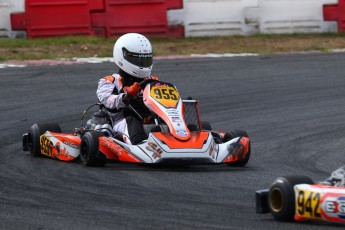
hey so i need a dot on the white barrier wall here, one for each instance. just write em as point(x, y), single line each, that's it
point(220, 17)
point(6, 8)
point(245, 17)
point(294, 16)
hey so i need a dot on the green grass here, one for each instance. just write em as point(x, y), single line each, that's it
point(22, 42)
point(79, 46)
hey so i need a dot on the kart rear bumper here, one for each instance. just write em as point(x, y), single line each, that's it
point(25, 142)
point(261, 198)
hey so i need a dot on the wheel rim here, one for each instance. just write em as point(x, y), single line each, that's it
point(276, 200)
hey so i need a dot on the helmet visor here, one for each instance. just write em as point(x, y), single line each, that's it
point(138, 59)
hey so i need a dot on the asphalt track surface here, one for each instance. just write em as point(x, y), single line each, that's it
point(292, 107)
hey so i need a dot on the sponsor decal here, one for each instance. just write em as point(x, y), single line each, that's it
point(182, 133)
point(152, 147)
point(172, 113)
point(71, 145)
point(159, 85)
point(58, 151)
point(176, 119)
point(112, 146)
point(333, 207)
point(211, 152)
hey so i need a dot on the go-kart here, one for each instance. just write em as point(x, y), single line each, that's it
point(176, 134)
point(297, 198)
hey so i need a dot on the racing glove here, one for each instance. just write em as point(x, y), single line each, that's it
point(133, 90)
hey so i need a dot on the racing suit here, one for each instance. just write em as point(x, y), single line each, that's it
point(111, 93)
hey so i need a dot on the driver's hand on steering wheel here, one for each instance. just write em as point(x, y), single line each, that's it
point(133, 90)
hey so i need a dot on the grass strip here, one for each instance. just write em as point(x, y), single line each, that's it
point(75, 46)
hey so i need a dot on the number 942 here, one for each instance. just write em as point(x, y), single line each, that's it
point(308, 204)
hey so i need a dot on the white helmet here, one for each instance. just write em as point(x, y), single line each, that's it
point(133, 54)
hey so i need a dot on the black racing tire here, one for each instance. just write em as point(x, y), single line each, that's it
point(281, 196)
point(206, 125)
point(89, 150)
point(192, 128)
point(231, 135)
point(34, 134)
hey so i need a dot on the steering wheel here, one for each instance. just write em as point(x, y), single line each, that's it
point(145, 82)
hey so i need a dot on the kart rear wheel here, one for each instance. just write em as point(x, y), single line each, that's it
point(34, 136)
point(89, 150)
point(231, 135)
point(281, 196)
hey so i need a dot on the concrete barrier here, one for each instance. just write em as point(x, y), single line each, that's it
point(220, 17)
point(294, 16)
point(6, 8)
point(245, 17)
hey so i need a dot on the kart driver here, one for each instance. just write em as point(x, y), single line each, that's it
point(133, 55)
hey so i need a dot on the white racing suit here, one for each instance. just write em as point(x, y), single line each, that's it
point(110, 93)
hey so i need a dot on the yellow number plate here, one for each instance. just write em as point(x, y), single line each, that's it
point(308, 204)
point(166, 95)
point(46, 146)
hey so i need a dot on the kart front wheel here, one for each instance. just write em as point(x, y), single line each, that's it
point(281, 196)
point(35, 133)
point(231, 135)
point(89, 150)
